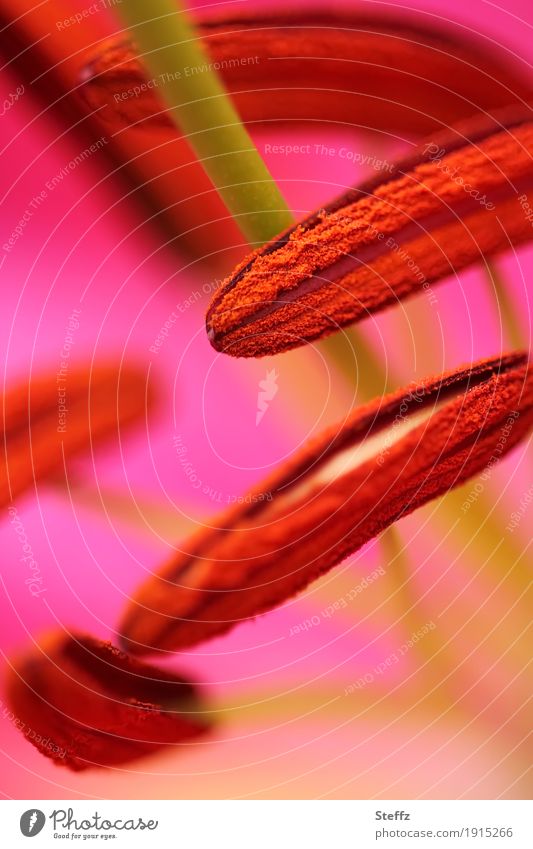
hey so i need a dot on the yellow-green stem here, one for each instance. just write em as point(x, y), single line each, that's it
point(509, 319)
point(202, 109)
point(358, 363)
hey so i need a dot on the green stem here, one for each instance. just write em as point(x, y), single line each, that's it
point(203, 110)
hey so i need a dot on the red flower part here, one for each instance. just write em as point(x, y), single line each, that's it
point(85, 704)
point(53, 416)
point(332, 66)
point(463, 195)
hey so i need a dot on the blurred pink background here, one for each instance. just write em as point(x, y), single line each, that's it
point(286, 726)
